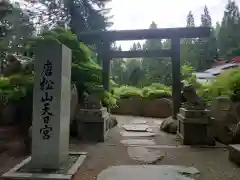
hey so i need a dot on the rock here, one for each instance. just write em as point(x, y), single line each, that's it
point(159, 108)
point(136, 127)
point(139, 122)
point(153, 172)
point(169, 125)
point(145, 155)
point(137, 134)
point(129, 142)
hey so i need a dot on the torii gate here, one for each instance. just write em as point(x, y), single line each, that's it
point(175, 34)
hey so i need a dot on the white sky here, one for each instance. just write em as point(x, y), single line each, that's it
point(138, 14)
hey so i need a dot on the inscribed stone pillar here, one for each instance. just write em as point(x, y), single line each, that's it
point(51, 105)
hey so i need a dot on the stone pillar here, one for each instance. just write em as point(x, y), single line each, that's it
point(51, 105)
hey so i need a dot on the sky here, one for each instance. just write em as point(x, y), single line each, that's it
point(138, 14)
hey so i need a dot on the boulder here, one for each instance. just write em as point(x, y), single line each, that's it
point(169, 125)
point(159, 108)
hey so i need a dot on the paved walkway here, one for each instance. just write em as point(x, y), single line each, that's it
point(212, 163)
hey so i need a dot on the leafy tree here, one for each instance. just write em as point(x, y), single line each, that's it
point(118, 68)
point(188, 46)
point(156, 69)
point(18, 28)
point(207, 47)
point(229, 36)
point(79, 15)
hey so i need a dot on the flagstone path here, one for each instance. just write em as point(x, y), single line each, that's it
point(157, 149)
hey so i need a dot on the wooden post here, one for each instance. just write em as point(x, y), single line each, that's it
point(104, 55)
point(176, 76)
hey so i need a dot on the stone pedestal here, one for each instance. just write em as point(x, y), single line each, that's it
point(194, 127)
point(234, 153)
point(94, 124)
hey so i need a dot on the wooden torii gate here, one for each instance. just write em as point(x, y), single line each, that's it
point(175, 34)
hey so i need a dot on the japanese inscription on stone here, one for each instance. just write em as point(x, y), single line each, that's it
point(46, 86)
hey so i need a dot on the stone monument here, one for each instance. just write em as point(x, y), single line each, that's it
point(93, 118)
point(51, 117)
point(194, 120)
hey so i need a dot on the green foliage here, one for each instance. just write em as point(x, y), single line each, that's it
point(109, 100)
point(80, 52)
point(13, 88)
point(125, 92)
point(153, 91)
point(229, 37)
point(188, 75)
point(227, 83)
point(157, 94)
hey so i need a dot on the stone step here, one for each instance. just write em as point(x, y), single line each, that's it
point(234, 153)
point(150, 172)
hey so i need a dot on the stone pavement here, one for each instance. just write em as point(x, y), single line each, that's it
point(212, 163)
point(146, 145)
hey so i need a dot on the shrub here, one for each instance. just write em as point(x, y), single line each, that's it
point(109, 100)
point(227, 83)
point(157, 94)
point(13, 88)
point(125, 92)
point(154, 91)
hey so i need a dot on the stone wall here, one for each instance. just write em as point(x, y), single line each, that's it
point(136, 106)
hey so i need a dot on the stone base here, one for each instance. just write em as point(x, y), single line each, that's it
point(95, 124)
point(94, 131)
point(197, 113)
point(194, 131)
point(24, 171)
point(234, 153)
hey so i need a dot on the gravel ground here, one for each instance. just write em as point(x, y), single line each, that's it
point(212, 163)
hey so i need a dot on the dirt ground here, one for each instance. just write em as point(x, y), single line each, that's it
point(212, 163)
